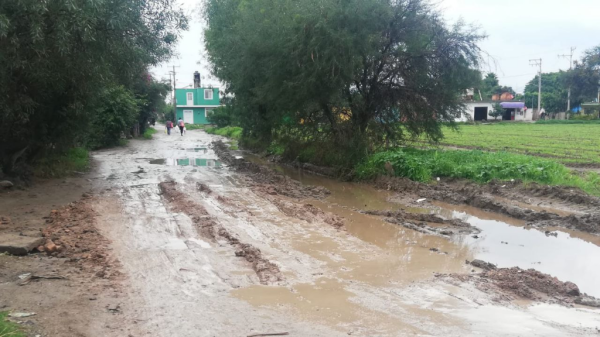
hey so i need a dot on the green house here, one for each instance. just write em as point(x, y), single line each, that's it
point(195, 104)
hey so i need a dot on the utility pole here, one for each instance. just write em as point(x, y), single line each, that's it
point(535, 63)
point(570, 56)
point(174, 97)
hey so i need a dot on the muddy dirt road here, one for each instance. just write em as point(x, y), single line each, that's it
point(206, 248)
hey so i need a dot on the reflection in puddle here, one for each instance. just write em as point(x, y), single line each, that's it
point(187, 162)
point(197, 149)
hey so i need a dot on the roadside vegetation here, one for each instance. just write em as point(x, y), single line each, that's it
point(195, 127)
point(75, 75)
point(427, 165)
point(148, 133)
point(234, 132)
point(62, 164)
point(8, 328)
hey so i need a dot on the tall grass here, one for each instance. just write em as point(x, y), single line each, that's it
point(424, 165)
point(62, 164)
point(8, 328)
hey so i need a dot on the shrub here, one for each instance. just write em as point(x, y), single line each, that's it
point(221, 117)
point(116, 112)
point(148, 133)
point(61, 164)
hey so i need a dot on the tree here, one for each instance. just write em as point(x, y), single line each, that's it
point(554, 91)
point(348, 71)
point(58, 58)
point(497, 111)
point(585, 77)
point(490, 86)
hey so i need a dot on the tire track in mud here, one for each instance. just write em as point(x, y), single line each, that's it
point(267, 272)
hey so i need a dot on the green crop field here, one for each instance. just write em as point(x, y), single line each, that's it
point(566, 143)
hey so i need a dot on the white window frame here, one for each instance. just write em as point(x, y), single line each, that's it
point(207, 110)
point(190, 98)
point(208, 91)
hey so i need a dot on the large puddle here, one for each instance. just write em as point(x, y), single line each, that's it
point(202, 162)
point(570, 256)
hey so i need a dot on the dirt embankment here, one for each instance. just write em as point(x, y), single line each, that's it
point(481, 196)
point(511, 283)
point(267, 180)
point(420, 223)
point(267, 272)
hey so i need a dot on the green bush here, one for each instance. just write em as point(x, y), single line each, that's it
point(221, 116)
point(149, 132)
point(424, 165)
point(116, 113)
point(584, 117)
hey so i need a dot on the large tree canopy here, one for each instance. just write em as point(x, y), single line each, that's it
point(554, 92)
point(585, 77)
point(347, 69)
point(60, 60)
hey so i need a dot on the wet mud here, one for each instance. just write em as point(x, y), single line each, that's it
point(420, 222)
point(479, 196)
point(508, 284)
point(267, 272)
point(72, 234)
point(267, 180)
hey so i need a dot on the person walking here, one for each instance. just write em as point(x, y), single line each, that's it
point(181, 125)
point(169, 126)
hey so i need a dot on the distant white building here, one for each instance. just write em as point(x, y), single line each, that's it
point(479, 111)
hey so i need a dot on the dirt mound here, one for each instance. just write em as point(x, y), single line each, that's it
point(266, 179)
point(267, 272)
point(419, 222)
point(307, 212)
point(511, 283)
point(72, 234)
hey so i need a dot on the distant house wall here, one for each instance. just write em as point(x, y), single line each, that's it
point(469, 112)
point(193, 103)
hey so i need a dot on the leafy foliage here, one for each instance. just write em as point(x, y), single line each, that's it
point(585, 76)
point(347, 71)
point(58, 58)
point(497, 112)
point(221, 116)
point(554, 92)
point(115, 114)
point(490, 86)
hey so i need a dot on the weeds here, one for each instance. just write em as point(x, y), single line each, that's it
point(195, 127)
point(8, 328)
point(62, 164)
point(480, 166)
point(234, 132)
point(149, 132)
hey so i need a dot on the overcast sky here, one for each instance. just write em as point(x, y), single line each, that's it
point(518, 30)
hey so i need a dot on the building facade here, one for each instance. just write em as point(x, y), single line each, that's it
point(194, 105)
point(479, 111)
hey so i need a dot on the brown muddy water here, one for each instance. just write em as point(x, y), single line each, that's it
point(504, 241)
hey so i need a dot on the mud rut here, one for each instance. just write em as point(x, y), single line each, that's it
point(212, 245)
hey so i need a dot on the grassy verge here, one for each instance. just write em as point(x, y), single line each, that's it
point(149, 132)
point(234, 132)
point(195, 127)
point(62, 164)
point(8, 328)
point(480, 166)
point(568, 121)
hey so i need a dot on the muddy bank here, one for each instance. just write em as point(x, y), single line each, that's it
point(507, 284)
point(267, 272)
point(266, 179)
point(72, 234)
point(479, 196)
point(420, 222)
